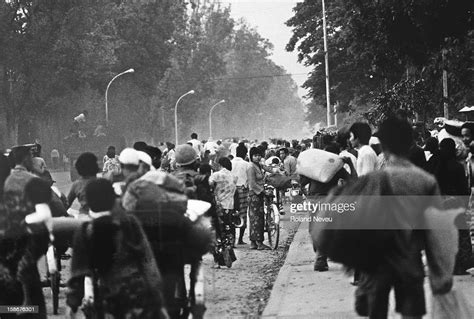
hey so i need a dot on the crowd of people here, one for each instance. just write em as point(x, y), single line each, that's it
point(136, 236)
point(129, 253)
point(390, 162)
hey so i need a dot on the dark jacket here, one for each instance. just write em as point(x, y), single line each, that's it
point(417, 156)
point(158, 200)
point(451, 178)
point(114, 251)
point(321, 189)
point(20, 248)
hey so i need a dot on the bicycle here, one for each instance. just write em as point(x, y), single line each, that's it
point(271, 216)
point(53, 260)
point(64, 228)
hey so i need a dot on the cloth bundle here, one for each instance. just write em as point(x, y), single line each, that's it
point(318, 165)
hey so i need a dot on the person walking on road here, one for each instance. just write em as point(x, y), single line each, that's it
point(196, 144)
point(110, 161)
point(211, 146)
point(224, 184)
point(289, 163)
point(239, 169)
point(87, 169)
point(20, 175)
point(113, 270)
point(367, 160)
point(404, 272)
point(454, 186)
point(233, 147)
point(318, 190)
point(55, 158)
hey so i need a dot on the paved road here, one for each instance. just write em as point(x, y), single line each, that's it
point(300, 292)
point(239, 292)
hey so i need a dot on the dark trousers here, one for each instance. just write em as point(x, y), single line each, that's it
point(321, 259)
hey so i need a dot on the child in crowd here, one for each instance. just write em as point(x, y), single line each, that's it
point(110, 161)
point(87, 168)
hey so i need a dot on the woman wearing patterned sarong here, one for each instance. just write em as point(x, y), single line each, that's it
point(256, 201)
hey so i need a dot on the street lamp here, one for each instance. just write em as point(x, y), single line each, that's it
point(210, 116)
point(107, 90)
point(176, 115)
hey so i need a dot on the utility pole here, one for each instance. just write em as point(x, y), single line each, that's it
point(12, 123)
point(326, 60)
point(445, 85)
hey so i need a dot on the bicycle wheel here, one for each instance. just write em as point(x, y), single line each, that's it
point(55, 279)
point(273, 225)
point(266, 216)
point(199, 307)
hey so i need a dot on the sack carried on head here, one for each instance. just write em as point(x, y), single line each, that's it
point(318, 165)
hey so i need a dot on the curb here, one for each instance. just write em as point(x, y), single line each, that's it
point(292, 258)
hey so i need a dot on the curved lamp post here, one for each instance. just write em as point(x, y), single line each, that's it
point(210, 116)
point(176, 115)
point(107, 90)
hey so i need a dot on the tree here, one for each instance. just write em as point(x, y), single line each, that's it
point(54, 49)
point(57, 58)
point(373, 45)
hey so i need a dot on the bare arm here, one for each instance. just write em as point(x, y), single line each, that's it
point(348, 161)
point(71, 196)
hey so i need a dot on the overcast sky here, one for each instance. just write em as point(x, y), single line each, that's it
point(269, 17)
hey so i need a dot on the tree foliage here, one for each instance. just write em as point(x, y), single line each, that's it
point(374, 46)
point(57, 57)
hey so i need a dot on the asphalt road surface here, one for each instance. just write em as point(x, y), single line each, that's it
point(237, 292)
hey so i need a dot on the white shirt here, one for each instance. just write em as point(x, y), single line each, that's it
point(428, 155)
point(211, 147)
point(366, 161)
point(239, 170)
point(172, 159)
point(196, 145)
point(233, 149)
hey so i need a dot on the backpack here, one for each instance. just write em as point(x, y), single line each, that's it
point(197, 185)
point(187, 177)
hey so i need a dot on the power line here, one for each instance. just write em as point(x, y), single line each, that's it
point(260, 76)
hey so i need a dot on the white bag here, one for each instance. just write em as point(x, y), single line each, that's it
point(196, 208)
point(318, 165)
point(442, 243)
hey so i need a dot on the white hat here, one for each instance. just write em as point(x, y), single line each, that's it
point(129, 156)
point(374, 140)
point(144, 157)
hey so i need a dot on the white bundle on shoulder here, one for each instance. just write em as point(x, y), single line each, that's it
point(196, 208)
point(318, 165)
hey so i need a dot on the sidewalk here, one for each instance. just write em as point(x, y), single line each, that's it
point(300, 292)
